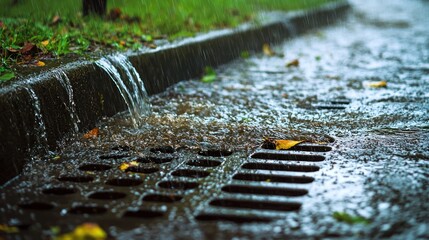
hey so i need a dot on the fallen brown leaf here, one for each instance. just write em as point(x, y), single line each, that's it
point(293, 63)
point(92, 133)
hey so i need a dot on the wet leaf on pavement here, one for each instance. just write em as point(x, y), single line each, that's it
point(124, 166)
point(267, 50)
point(279, 144)
point(379, 84)
point(85, 231)
point(350, 219)
point(8, 229)
point(92, 134)
point(293, 63)
point(209, 75)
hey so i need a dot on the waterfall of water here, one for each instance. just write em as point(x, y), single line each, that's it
point(41, 138)
point(129, 84)
point(61, 76)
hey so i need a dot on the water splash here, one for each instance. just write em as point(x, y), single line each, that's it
point(40, 129)
point(62, 77)
point(129, 84)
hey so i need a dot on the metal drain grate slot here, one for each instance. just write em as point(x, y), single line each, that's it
point(124, 182)
point(163, 149)
point(203, 163)
point(289, 157)
point(140, 169)
point(257, 190)
point(333, 104)
point(162, 198)
point(280, 167)
point(59, 191)
point(190, 173)
point(272, 178)
point(36, 206)
point(107, 195)
point(114, 156)
point(142, 214)
point(178, 185)
point(232, 218)
point(330, 107)
point(95, 167)
point(300, 147)
point(215, 153)
point(256, 205)
point(77, 179)
point(87, 209)
point(157, 160)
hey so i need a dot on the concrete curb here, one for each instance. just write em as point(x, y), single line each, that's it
point(96, 96)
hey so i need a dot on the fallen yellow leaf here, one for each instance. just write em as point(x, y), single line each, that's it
point(85, 231)
point(40, 64)
point(293, 63)
point(285, 144)
point(92, 134)
point(124, 166)
point(8, 229)
point(379, 84)
point(45, 43)
point(267, 50)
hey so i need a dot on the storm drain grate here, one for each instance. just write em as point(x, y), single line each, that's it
point(213, 185)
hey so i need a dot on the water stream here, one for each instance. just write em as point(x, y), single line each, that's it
point(40, 127)
point(62, 77)
point(129, 84)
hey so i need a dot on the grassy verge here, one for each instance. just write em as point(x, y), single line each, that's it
point(34, 30)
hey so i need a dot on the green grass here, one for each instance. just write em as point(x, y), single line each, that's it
point(30, 21)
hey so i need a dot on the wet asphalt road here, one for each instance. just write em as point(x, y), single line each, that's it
point(379, 166)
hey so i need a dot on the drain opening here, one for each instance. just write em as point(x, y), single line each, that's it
point(256, 205)
point(340, 101)
point(178, 185)
point(289, 157)
point(114, 156)
point(36, 206)
point(163, 149)
point(305, 148)
point(215, 153)
point(245, 189)
point(142, 214)
point(329, 107)
point(59, 191)
point(157, 160)
point(162, 198)
point(272, 178)
point(87, 210)
point(231, 218)
point(190, 173)
point(78, 179)
point(124, 182)
point(140, 169)
point(94, 167)
point(107, 195)
point(281, 167)
point(18, 223)
point(203, 163)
